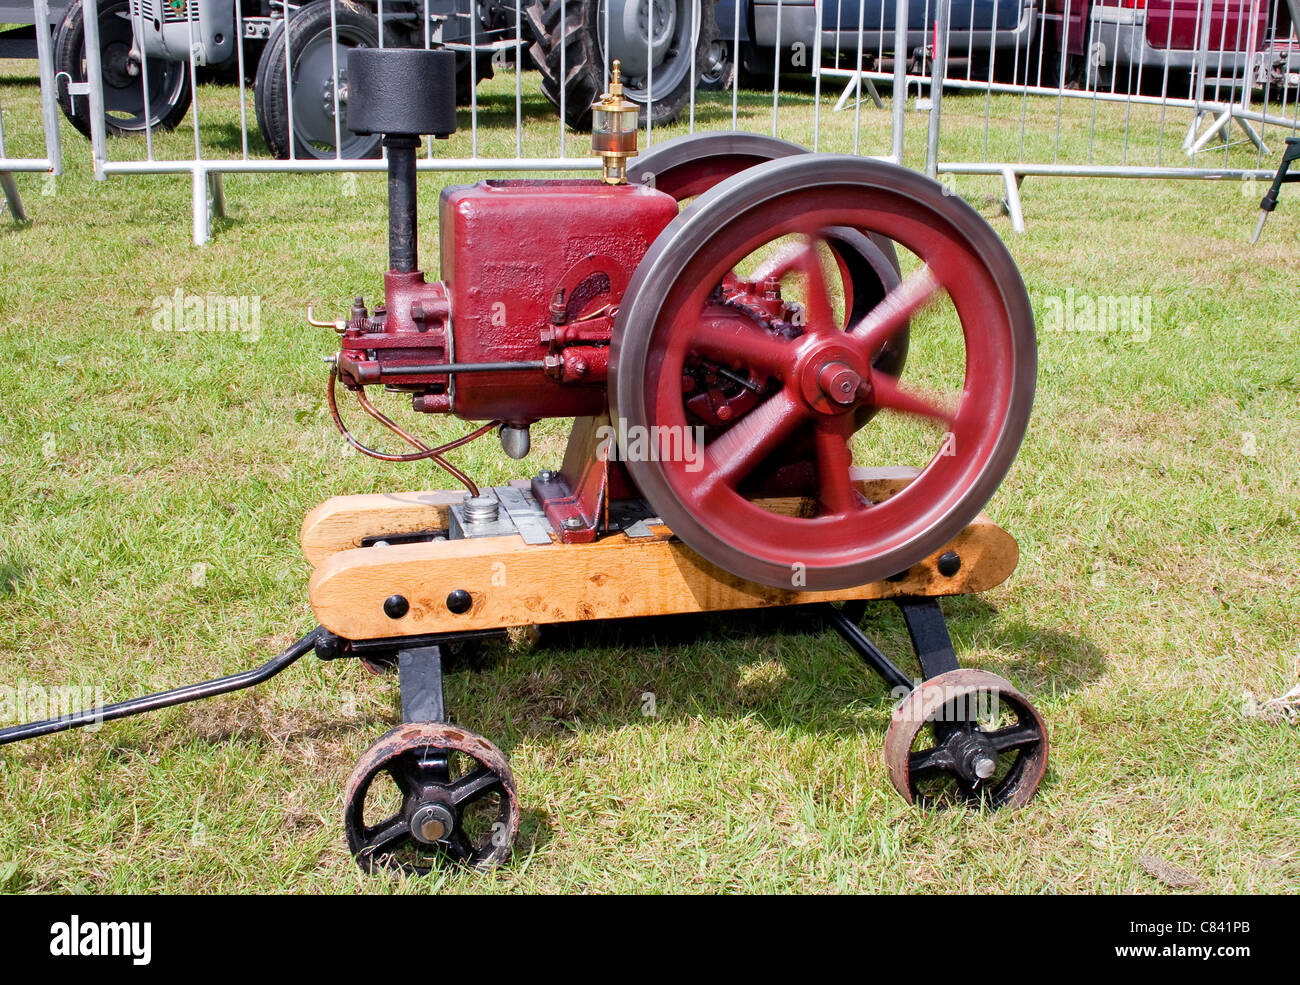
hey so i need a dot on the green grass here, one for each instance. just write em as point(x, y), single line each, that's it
point(1155, 501)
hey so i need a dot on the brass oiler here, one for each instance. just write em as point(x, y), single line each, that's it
point(614, 125)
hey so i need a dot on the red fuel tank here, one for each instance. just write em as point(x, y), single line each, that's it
point(534, 270)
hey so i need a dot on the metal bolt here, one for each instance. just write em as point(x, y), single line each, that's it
point(459, 601)
point(573, 523)
point(985, 766)
point(395, 606)
point(481, 509)
point(949, 563)
point(546, 475)
point(431, 823)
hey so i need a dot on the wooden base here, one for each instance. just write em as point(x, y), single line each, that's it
point(511, 583)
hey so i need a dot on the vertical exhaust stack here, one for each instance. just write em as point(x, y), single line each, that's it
point(402, 93)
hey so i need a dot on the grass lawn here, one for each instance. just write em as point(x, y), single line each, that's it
point(154, 482)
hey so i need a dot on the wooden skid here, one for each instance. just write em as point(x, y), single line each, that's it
point(513, 584)
point(345, 521)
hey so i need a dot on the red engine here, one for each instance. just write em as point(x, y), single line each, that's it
point(533, 272)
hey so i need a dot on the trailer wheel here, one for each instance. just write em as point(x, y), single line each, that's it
point(124, 102)
point(719, 68)
point(312, 71)
point(658, 79)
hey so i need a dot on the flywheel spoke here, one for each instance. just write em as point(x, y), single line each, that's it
point(803, 258)
point(834, 464)
point(886, 392)
point(896, 309)
point(730, 340)
point(755, 436)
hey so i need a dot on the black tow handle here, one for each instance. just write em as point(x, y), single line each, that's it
point(178, 696)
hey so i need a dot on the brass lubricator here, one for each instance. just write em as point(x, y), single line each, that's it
point(614, 129)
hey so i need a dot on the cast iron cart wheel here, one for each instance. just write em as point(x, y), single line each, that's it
point(657, 76)
point(966, 736)
point(814, 384)
point(430, 794)
point(690, 165)
point(313, 82)
point(124, 112)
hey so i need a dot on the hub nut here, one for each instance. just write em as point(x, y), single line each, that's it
point(839, 383)
point(431, 823)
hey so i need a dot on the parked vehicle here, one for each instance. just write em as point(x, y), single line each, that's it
point(1121, 37)
point(1104, 43)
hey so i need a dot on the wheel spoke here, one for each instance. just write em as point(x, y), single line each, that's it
point(834, 464)
point(404, 773)
point(473, 785)
point(458, 846)
point(886, 392)
point(886, 319)
point(925, 763)
point(1014, 737)
point(383, 838)
point(803, 258)
point(739, 450)
point(730, 340)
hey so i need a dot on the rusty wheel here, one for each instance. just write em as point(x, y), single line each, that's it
point(966, 736)
point(428, 794)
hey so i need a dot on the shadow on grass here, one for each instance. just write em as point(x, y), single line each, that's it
point(782, 667)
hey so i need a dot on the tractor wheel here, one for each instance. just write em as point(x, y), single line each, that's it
point(312, 73)
point(124, 102)
point(657, 75)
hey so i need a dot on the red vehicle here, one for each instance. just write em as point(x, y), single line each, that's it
point(1120, 41)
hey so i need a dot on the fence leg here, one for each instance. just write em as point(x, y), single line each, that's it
point(199, 206)
point(1011, 203)
point(844, 96)
point(218, 194)
point(1194, 144)
point(875, 96)
point(1252, 133)
point(11, 196)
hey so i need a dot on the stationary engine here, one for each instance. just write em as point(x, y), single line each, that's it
point(734, 347)
point(751, 342)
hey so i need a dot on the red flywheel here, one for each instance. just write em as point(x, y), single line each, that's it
point(703, 315)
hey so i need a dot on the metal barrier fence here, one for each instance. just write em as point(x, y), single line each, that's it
point(1035, 87)
point(304, 149)
point(1118, 88)
point(52, 162)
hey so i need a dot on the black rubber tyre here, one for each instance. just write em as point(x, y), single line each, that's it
point(483, 64)
point(309, 33)
point(169, 82)
point(584, 57)
point(720, 70)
